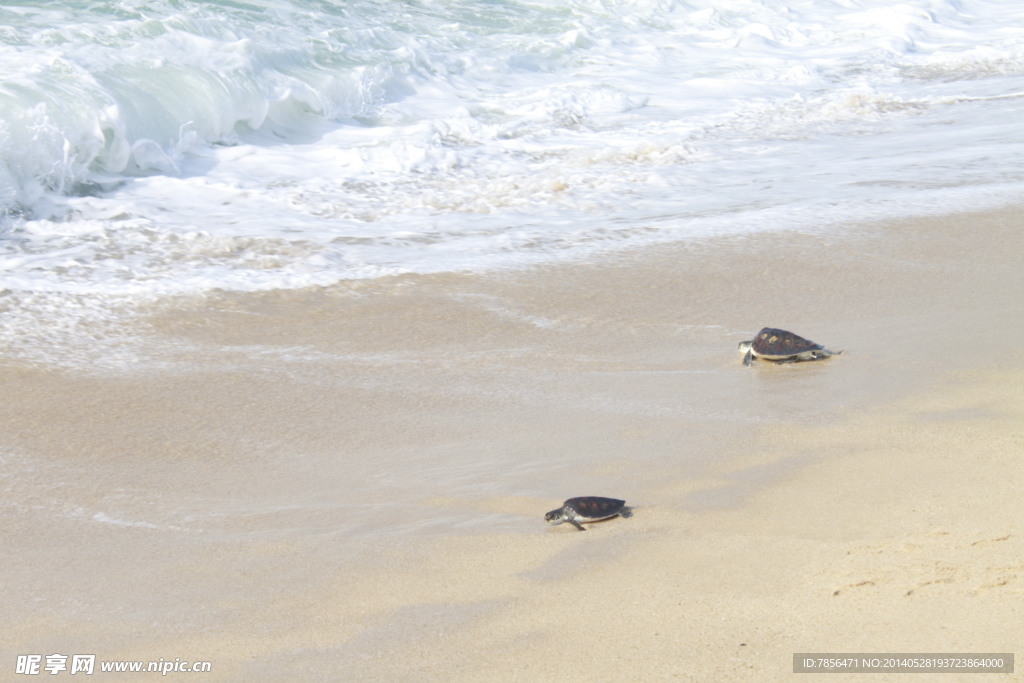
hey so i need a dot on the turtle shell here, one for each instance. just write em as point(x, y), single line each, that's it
point(773, 343)
point(595, 507)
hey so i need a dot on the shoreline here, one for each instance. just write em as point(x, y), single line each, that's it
point(352, 481)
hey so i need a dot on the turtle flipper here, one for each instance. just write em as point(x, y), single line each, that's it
point(747, 358)
point(577, 524)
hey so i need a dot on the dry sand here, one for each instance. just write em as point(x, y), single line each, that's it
point(349, 484)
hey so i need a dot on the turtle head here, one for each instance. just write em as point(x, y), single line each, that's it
point(554, 516)
point(745, 345)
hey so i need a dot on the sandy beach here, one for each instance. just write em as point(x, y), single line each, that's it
point(349, 483)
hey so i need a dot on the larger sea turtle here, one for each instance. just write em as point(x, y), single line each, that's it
point(782, 346)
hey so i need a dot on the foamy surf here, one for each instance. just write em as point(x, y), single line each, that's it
point(156, 149)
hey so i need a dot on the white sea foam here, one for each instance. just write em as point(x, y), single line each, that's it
point(157, 148)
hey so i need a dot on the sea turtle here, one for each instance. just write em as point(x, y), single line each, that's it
point(781, 346)
point(588, 509)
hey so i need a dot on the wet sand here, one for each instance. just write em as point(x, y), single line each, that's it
point(350, 483)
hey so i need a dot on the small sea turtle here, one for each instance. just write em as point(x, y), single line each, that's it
point(780, 346)
point(588, 509)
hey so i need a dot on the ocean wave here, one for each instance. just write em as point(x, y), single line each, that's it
point(173, 147)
